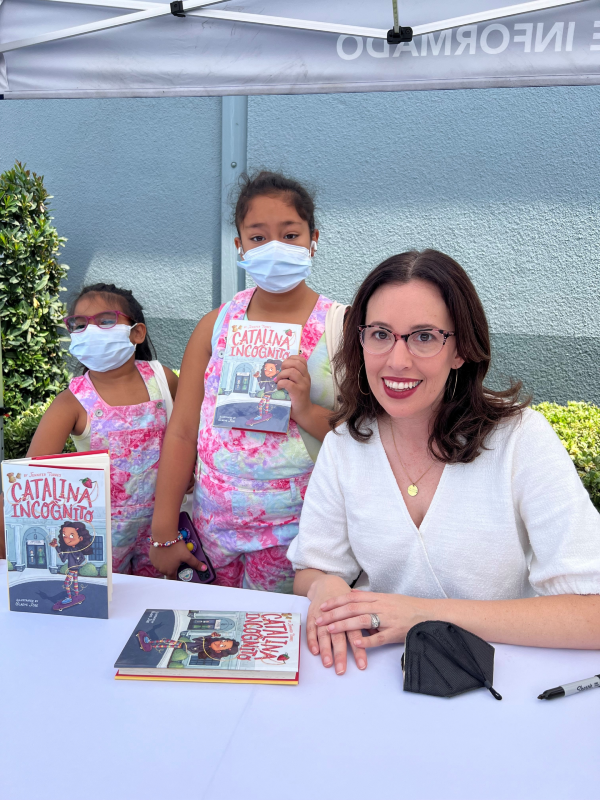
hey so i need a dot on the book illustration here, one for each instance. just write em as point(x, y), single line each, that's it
point(58, 555)
point(248, 397)
point(226, 643)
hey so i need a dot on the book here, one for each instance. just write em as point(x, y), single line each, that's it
point(58, 536)
point(213, 646)
point(248, 397)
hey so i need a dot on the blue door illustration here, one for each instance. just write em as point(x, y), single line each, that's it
point(242, 382)
point(36, 553)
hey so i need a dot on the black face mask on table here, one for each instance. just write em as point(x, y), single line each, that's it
point(444, 660)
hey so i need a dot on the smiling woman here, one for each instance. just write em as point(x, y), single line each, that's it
point(435, 496)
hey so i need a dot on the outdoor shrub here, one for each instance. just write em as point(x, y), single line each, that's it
point(89, 571)
point(103, 571)
point(578, 428)
point(176, 665)
point(178, 655)
point(10, 566)
point(30, 306)
point(63, 570)
point(19, 428)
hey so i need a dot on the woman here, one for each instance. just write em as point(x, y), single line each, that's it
point(441, 498)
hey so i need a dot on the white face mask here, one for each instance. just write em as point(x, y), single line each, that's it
point(102, 350)
point(276, 266)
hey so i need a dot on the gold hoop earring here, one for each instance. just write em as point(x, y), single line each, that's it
point(358, 381)
point(451, 398)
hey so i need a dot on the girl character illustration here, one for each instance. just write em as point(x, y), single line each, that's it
point(266, 380)
point(212, 646)
point(74, 543)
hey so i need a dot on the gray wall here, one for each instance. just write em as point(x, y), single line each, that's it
point(504, 180)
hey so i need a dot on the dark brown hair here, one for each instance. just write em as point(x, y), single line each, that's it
point(469, 412)
point(125, 302)
point(271, 184)
point(82, 531)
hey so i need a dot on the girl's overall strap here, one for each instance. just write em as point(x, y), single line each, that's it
point(84, 391)
point(237, 310)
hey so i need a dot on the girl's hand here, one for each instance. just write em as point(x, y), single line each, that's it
point(53, 543)
point(349, 613)
point(331, 646)
point(168, 559)
point(294, 378)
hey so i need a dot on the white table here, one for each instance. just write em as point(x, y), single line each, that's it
point(68, 729)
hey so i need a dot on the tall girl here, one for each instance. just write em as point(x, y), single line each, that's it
point(119, 404)
point(250, 485)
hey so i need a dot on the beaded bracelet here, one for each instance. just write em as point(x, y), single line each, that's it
point(168, 544)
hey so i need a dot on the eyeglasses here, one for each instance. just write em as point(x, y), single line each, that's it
point(425, 343)
point(105, 320)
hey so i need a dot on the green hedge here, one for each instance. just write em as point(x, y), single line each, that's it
point(578, 428)
point(20, 427)
point(31, 310)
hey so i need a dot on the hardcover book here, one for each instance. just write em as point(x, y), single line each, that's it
point(213, 646)
point(57, 528)
point(248, 397)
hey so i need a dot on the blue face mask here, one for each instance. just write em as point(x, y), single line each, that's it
point(102, 350)
point(276, 266)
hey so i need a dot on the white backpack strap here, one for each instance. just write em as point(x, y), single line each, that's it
point(334, 328)
point(161, 379)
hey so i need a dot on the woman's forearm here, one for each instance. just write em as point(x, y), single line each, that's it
point(570, 621)
point(304, 580)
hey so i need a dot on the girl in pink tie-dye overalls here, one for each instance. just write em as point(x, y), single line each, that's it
point(119, 404)
point(250, 484)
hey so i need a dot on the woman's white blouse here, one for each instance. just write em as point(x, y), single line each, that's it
point(515, 522)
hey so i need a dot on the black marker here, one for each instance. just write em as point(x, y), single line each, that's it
point(571, 688)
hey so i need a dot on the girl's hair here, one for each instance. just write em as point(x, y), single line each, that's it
point(467, 413)
point(126, 303)
point(268, 184)
point(85, 546)
point(219, 654)
point(278, 364)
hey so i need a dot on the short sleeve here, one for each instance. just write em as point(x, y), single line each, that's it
point(561, 522)
point(322, 542)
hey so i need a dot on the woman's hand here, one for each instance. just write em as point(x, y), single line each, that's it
point(331, 646)
point(350, 613)
point(168, 559)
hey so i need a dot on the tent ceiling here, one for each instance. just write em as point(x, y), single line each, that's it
point(133, 47)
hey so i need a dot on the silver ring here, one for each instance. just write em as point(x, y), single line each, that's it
point(375, 622)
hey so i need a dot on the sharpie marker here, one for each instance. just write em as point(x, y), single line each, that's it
point(571, 688)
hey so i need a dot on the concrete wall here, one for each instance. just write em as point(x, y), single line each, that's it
point(504, 180)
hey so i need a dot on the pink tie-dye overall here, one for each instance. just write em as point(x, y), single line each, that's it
point(133, 436)
point(250, 485)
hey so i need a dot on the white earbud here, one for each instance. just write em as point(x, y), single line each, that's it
point(313, 247)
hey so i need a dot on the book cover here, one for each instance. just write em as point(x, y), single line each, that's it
point(248, 397)
point(57, 528)
point(213, 645)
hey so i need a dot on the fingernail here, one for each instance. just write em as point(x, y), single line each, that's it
point(323, 606)
point(357, 643)
point(339, 669)
point(327, 662)
point(319, 620)
point(314, 651)
point(331, 628)
point(361, 664)
point(203, 567)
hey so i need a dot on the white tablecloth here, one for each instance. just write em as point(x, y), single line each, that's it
point(68, 729)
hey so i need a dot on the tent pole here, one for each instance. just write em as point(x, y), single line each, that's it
point(234, 138)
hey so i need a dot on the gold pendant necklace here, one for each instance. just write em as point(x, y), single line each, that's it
point(413, 489)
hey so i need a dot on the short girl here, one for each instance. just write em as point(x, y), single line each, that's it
point(250, 485)
point(119, 404)
point(74, 543)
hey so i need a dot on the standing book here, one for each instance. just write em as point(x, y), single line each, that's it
point(58, 538)
point(213, 647)
point(248, 397)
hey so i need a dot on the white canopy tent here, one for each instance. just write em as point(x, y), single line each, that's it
point(236, 48)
